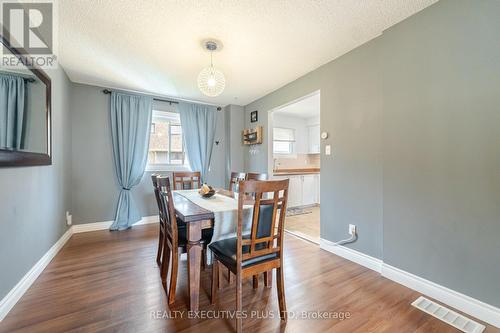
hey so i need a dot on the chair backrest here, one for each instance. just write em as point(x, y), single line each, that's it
point(236, 177)
point(167, 211)
point(256, 176)
point(265, 237)
point(154, 179)
point(186, 180)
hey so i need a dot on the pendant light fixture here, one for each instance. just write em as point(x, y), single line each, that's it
point(211, 81)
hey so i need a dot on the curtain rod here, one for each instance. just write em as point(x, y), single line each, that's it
point(107, 91)
point(27, 78)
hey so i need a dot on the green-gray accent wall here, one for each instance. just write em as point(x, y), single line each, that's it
point(34, 200)
point(414, 124)
point(95, 188)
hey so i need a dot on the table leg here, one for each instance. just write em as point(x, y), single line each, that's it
point(194, 262)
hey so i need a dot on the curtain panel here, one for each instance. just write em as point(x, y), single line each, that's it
point(130, 117)
point(12, 111)
point(198, 127)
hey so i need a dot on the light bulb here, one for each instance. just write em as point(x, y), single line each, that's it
point(211, 82)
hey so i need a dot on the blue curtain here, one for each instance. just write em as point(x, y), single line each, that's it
point(198, 127)
point(130, 128)
point(12, 108)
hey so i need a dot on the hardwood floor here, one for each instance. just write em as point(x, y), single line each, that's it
point(305, 225)
point(109, 281)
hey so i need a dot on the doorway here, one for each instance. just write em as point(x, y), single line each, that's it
point(294, 154)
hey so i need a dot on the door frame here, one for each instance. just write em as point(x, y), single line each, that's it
point(270, 154)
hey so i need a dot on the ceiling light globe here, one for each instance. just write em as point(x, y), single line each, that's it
point(211, 81)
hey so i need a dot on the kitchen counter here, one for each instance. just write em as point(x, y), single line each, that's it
point(292, 172)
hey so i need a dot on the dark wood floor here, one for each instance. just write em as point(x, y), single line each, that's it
point(109, 281)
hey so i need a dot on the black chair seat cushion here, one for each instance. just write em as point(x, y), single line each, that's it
point(225, 251)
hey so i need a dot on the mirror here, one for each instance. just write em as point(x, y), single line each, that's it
point(25, 137)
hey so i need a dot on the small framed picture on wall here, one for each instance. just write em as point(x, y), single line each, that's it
point(254, 117)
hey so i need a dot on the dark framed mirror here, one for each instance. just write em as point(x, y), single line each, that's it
point(25, 112)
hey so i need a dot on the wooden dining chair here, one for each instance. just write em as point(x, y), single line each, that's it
point(161, 234)
point(235, 178)
point(268, 277)
point(259, 249)
point(186, 180)
point(256, 176)
point(174, 236)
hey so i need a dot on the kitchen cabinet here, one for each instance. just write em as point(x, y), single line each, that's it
point(309, 189)
point(303, 190)
point(318, 181)
point(295, 191)
point(314, 139)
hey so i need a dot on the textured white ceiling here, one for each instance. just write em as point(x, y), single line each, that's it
point(305, 108)
point(155, 45)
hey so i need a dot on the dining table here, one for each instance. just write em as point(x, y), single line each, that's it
point(200, 213)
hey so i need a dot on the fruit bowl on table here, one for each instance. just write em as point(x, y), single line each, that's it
point(206, 191)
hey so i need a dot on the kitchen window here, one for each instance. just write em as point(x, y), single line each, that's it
point(283, 141)
point(166, 145)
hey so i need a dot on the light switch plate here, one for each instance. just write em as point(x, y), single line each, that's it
point(328, 150)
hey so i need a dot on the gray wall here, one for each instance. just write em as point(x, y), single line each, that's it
point(235, 123)
point(351, 178)
point(33, 200)
point(441, 144)
point(414, 124)
point(94, 182)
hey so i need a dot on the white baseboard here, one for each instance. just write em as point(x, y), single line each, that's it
point(77, 228)
point(8, 302)
point(352, 255)
point(459, 301)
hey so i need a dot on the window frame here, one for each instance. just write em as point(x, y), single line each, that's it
point(169, 116)
point(291, 143)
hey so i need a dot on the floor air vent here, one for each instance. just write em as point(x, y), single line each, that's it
point(448, 316)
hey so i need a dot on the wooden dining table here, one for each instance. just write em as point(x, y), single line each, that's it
point(196, 218)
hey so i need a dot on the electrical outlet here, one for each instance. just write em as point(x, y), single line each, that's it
point(69, 218)
point(352, 229)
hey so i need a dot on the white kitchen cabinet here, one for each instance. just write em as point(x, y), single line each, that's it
point(318, 188)
point(303, 190)
point(314, 139)
point(309, 190)
point(295, 191)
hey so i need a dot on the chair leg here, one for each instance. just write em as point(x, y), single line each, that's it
point(281, 293)
point(203, 258)
point(165, 262)
point(268, 279)
point(173, 277)
point(160, 248)
point(215, 280)
point(219, 275)
point(255, 281)
point(239, 320)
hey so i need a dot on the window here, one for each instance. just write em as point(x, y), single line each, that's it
point(166, 146)
point(283, 141)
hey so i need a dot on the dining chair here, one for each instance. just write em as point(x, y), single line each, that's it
point(161, 234)
point(235, 178)
point(259, 249)
point(173, 236)
point(256, 176)
point(186, 180)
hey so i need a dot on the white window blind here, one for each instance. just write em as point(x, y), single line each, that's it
point(283, 134)
point(283, 140)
